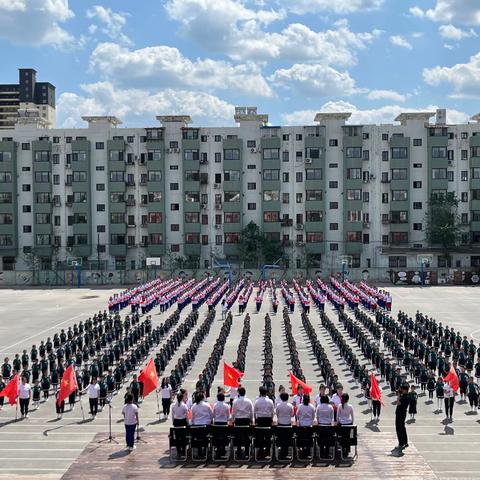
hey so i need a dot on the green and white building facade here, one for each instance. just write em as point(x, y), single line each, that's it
point(118, 196)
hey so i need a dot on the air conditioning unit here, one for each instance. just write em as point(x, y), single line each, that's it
point(450, 163)
point(300, 244)
point(203, 206)
point(365, 180)
point(253, 150)
point(372, 177)
point(299, 226)
point(218, 226)
point(216, 185)
point(218, 206)
point(69, 249)
point(177, 150)
point(204, 162)
point(68, 166)
point(308, 160)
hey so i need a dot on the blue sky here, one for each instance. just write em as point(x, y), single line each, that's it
point(290, 58)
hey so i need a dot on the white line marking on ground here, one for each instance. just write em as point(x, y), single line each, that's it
point(42, 332)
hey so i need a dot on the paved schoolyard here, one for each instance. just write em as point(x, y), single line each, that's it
point(42, 445)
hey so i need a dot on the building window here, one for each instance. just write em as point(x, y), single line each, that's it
point(333, 184)
point(270, 195)
point(251, 186)
point(25, 146)
point(251, 143)
point(314, 237)
point(231, 217)
point(217, 138)
point(366, 197)
point(464, 175)
point(354, 237)
point(397, 262)
point(399, 153)
point(417, 184)
point(353, 152)
point(299, 177)
point(26, 187)
point(333, 226)
point(385, 137)
point(333, 205)
point(384, 197)
point(285, 198)
point(314, 195)
point(417, 226)
point(417, 205)
point(299, 197)
point(439, 152)
point(464, 196)
point(417, 165)
point(252, 206)
point(298, 137)
point(417, 142)
point(333, 142)
point(271, 153)
point(366, 155)
point(334, 247)
point(100, 207)
point(354, 194)
point(268, 175)
point(27, 229)
point(285, 156)
point(354, 173)
point(99, 146)
point(399, 195)
point(464, 154)
point(385, 156)
point(271, 217)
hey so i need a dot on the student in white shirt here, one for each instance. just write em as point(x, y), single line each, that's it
point(166, 393)
point(324, 411)
point(242, 410)
point(298, 398)
point(201, 415)
point(201, 411)
point(305, 412)
point(221, 410)
point(321, 393)
point(345, 414)
point(180, 412)
point(284, 410)
point(264, 409)
point(24, 394)
point(130, 415)
point(449, 396)
point(93, 391)
point(242, 414)
point(281, 389)
point(336, 399)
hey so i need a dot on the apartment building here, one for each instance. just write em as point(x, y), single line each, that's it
point(28, 95)
point(119, 196)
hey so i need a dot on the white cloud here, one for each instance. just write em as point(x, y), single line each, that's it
point(35, 22)
point(138, 106)
point(448, 46)
point(314, 80)
point(464, 78)
point(455, 11)
point(417, 12)
point(163, 66)
point(385, 114)
point(386, 95)
point(113, 22)
point(453, 33)
point(400, 41)
point(229, 27)
point(339, 7)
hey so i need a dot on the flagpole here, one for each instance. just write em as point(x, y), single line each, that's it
point(158, 405)
point(81, 404)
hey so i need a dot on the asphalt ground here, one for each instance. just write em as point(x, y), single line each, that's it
point(44, 447)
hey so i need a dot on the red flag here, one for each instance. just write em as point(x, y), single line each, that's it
point(297, 382)
point(68, 384)
point(452, 379)
point(375, 390)
point(231, 375)
point(149, 378)
point(11, 390)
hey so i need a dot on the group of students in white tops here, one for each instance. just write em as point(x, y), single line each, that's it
point(264, 411)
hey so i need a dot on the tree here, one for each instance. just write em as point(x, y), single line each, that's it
point(256, 248)
point(249, 245)
point(443, 222)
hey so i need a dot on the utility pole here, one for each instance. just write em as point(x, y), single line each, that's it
point(98, 251)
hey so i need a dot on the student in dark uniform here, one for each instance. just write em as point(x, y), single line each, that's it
point(440, 393)
point(472, 392)
point(403, 402)
point(59, 408)
point(412, 408)
point(45, 384)
point(2, 386)
point(36, 391)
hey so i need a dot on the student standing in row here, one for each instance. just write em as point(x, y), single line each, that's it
point(24, 394)
point(130, 415)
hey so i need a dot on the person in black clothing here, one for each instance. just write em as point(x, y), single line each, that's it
point(403, 401)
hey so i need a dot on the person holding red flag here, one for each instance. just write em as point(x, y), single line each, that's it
point(376, 396)
point(11, 390)
point(450, 390)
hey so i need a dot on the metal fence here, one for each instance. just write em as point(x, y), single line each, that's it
point(84, 277)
